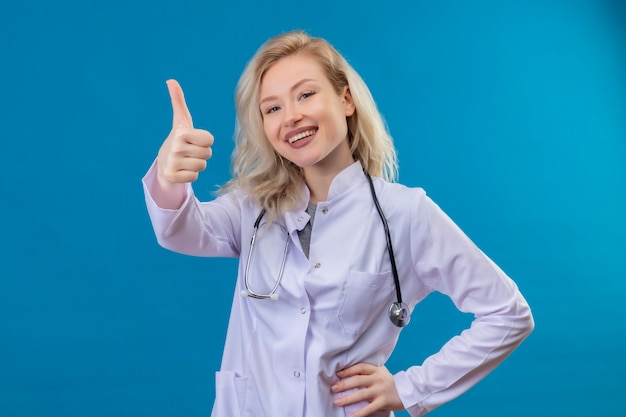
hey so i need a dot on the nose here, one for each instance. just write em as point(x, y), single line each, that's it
point(292, 115)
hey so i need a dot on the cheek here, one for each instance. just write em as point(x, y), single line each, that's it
point(340, 126)
point(271, 129)
point(334, 117)
point(271, 134)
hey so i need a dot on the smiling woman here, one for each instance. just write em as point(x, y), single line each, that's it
point(304, 119)
point(316, 341)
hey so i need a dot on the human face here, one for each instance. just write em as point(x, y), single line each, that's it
point(304, 118)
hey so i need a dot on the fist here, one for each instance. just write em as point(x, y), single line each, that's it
point(185, 151)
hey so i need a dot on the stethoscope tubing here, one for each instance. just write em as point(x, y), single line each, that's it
point(398, 311)
point(272, 294)
point(392, 258)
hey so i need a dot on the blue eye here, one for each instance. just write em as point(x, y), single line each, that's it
point(271, 110)
point(306, 94)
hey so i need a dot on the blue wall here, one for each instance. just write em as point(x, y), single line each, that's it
point(512, 115)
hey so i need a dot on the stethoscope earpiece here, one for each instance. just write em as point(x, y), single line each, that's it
point(399, 314)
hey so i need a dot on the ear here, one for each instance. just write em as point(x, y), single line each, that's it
point(348, 103)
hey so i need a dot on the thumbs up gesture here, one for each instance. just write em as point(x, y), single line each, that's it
point(185, 151)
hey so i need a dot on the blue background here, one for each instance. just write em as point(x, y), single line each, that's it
point(512, 115)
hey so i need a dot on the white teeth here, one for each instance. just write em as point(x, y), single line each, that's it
point(301, 135)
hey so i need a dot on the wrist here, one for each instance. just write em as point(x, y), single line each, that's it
point(167, 194)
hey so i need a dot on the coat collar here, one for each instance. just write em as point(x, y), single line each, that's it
point(347, 179)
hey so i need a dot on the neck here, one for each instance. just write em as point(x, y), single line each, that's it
point(319, 184)
point(321, 174)
point(318, 181)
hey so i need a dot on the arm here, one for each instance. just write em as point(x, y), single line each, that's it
point(181, 223)
point(195, 228)
point(447, 261)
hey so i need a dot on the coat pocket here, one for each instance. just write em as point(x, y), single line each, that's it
point(235, 396)
point(366, 295)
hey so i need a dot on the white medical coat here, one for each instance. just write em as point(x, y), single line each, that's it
point(281, 357)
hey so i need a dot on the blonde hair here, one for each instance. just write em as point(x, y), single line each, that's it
point(273, 182)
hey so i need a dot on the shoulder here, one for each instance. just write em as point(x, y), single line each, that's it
point(398, 198)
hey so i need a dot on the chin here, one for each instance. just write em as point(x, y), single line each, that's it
point(303, 162)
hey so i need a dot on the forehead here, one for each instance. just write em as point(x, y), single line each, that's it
point(290, 70)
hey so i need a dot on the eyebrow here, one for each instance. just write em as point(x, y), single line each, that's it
point(295, 86)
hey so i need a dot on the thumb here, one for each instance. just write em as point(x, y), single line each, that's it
point(181, 117)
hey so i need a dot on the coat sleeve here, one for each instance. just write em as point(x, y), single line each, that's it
point(448, 262)
point(196, 228)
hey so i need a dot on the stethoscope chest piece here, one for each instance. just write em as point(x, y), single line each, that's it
point(399, 314)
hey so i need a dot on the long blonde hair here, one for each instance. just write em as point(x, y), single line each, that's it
point(273, 182)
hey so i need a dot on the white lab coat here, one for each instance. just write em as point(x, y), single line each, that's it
point(281, 357)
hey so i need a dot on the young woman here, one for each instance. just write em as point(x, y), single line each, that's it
point(333, 255)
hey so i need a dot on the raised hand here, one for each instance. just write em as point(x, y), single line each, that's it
point(374, 384)
point(184, 152)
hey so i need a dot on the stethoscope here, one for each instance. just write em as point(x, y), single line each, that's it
point(398, 311)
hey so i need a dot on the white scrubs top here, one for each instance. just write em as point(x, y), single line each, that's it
point(281, 357)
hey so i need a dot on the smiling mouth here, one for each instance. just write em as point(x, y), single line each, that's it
point(302, 135)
